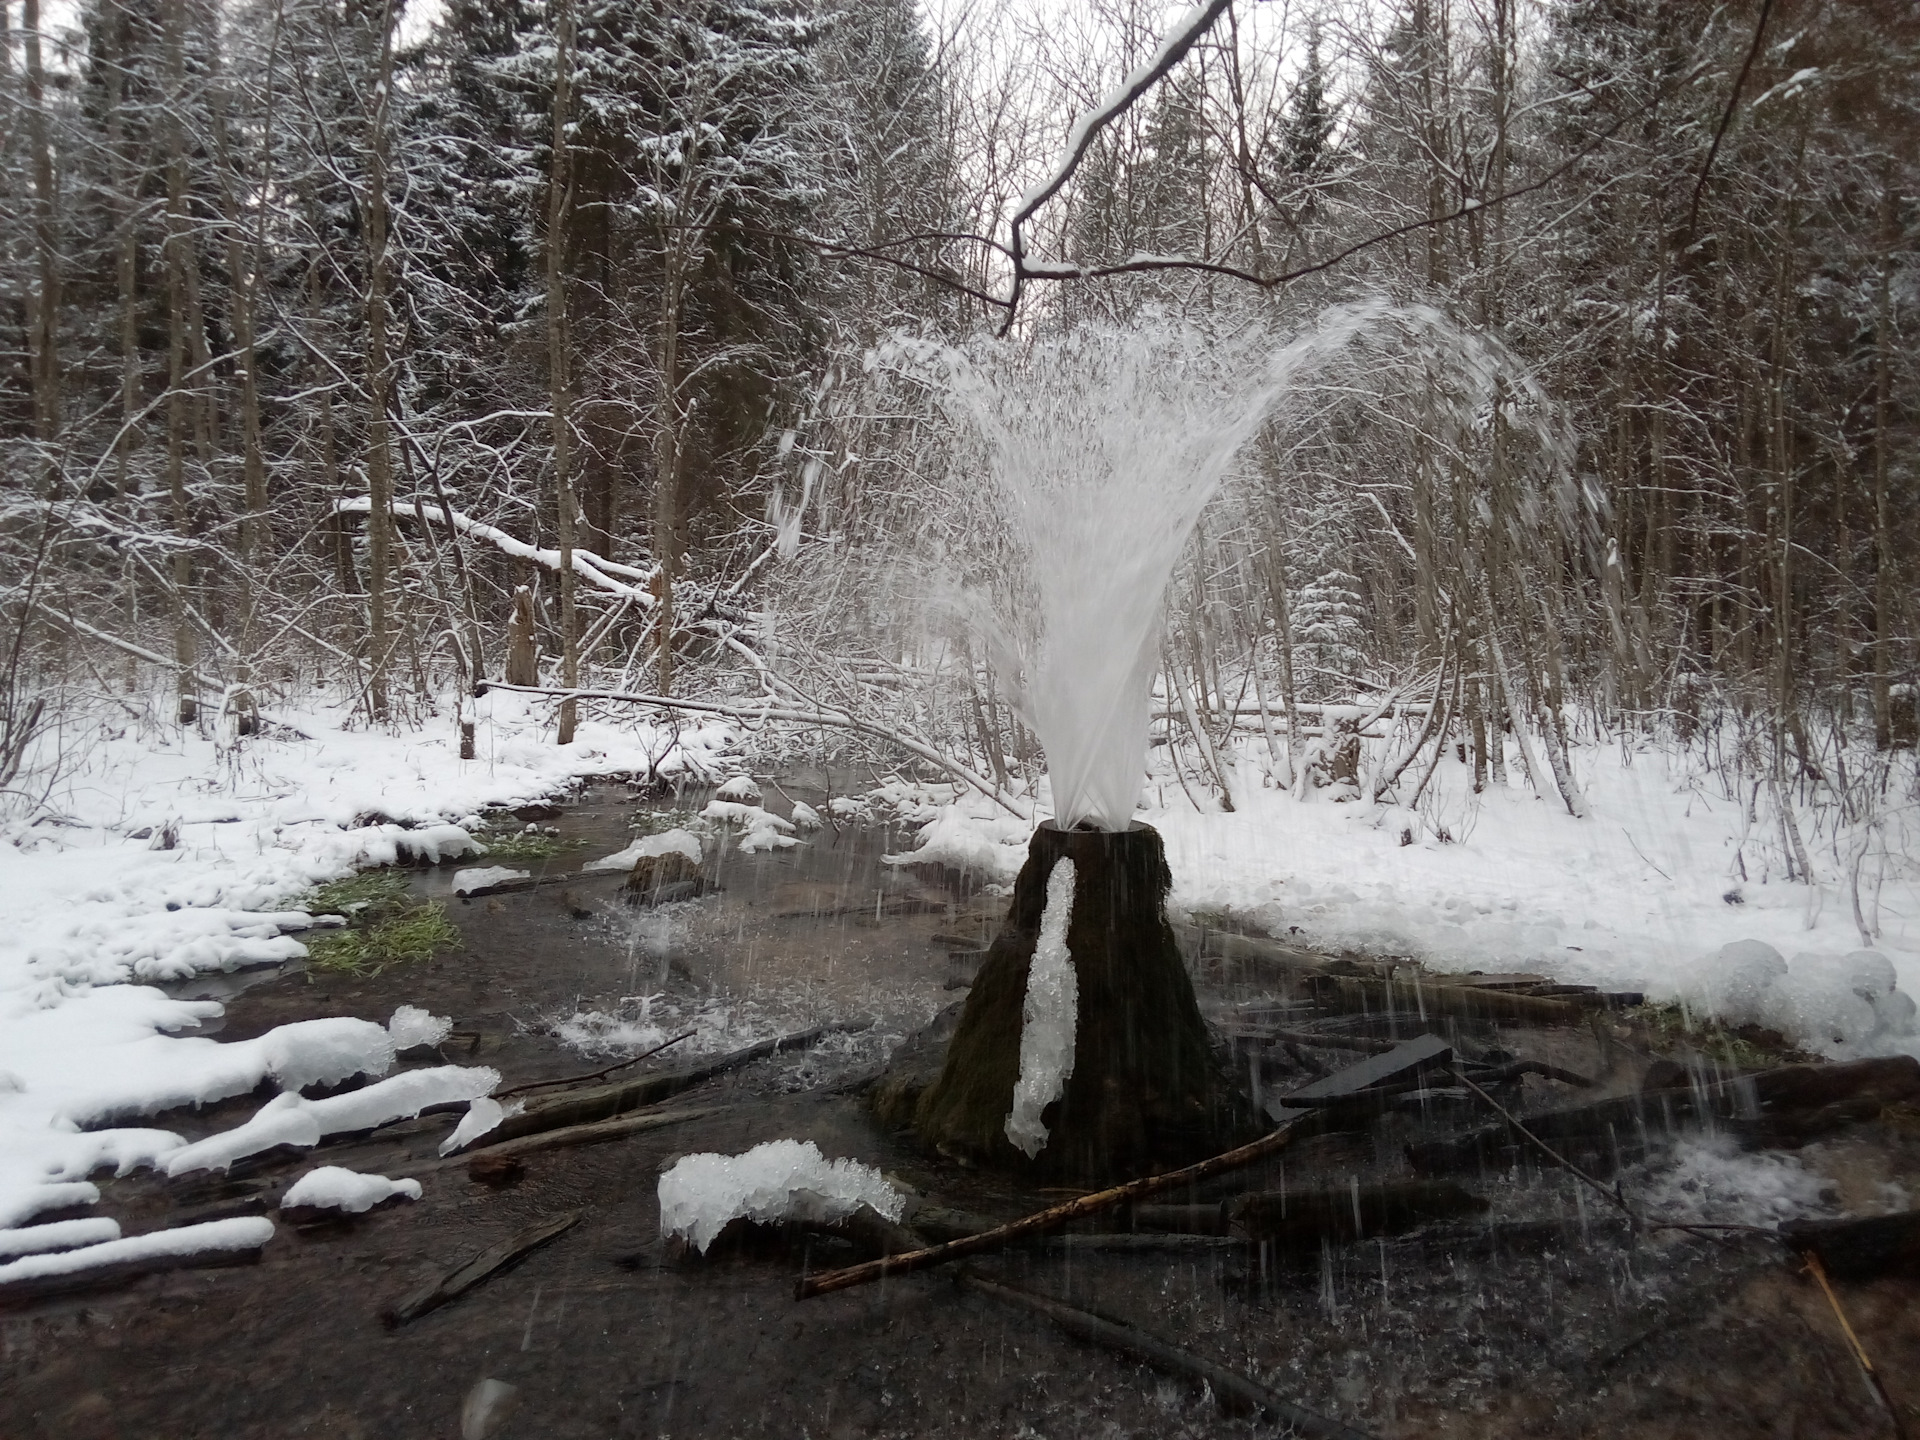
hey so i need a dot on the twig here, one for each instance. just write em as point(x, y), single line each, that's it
point(1231, 1389)
point(1726, 118)
point(598, 1074)
point(1041, 1221)
point(1614, 1197)
point(1874, 1382)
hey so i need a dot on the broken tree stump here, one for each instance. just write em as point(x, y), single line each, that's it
point(1146, 1091)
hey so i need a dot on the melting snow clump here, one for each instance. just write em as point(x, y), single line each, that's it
point(465, 882)
point(764, 829)
point(483, 1115)
point(335, 1188)
point(780, 1180)
point(1838, 1004)
point(742, 788)
point(411, 1026)
point(248, 1232)
point(667, 842)
point(1051, 1018)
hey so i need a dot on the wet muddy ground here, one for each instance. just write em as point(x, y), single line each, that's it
point(1544, 1316)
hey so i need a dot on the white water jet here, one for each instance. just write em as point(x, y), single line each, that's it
point(1103, 448)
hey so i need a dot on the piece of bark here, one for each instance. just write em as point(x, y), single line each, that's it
point(1306, 1218)
point(604, 1102)
point(1366, 1083)
point(1428, 997)
point(483, 1266)
point(871, 1232)
point(1863, 1249)
point(1043, 1221)
point(1234, 1392)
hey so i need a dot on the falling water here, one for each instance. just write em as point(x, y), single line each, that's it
point(1103, 448)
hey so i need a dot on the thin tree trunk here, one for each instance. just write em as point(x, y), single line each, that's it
point(43, 303)
point(176, 246)
point(558, 364)
point(379, 380)
point(1883, 559)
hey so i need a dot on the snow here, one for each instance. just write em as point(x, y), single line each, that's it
point(779, 1180)
point(1049, 1018)
point(248, 1232)
point(667, 842)
point(332, 1187)
point(1634, 897)
point(1711, 1179)
point(805, 817)
point(740, 787)
point(97, 916)
point(465, 882)
point(58, 1235)
point(292, 1119)
point(761, 829)
point(411, 1026)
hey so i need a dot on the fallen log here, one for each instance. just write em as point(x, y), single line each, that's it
point(1042, 1221)
point(1233, 1391)
point(493, 1164)
point(1300, 1219)
point(1429, 997)
point(604, 1102)
point(1860, 1249)
point(487, 1263)
point(1788, 1105)
point(112, 1263)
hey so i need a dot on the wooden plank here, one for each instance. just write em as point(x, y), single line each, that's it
point(1427, 997)
point(1423, 1052)
point(487, 1263)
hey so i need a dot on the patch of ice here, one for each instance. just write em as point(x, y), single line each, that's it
point(411, 1026)
point(59, 1235)
point(333, 1187)
point(483, 1116)
point(465, 882)
point(780, 1180)
point(1050, 1018)
point(667, 842)
point(291, 1119)
point(248, 1232)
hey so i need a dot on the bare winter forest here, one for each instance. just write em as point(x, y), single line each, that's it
point(329, 327)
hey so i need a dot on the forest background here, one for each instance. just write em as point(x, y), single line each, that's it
point(355, 353)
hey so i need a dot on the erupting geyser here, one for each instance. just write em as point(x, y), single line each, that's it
point(1082, 1054)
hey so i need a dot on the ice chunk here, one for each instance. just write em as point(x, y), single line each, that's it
point(1050, 1018)
point(805, 817)
point(478, 877)
point(780, 1180)
point(1711, 1179)
point(742, 788)
point(411, 1026)
point(332, 1187)
point(249, 1232)
point(292, 1119)
point(59, 1235)
point(1814, 1003)
point(667, 842)
point(483, 1115)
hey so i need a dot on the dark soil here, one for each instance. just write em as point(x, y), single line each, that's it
point(1544, 1317)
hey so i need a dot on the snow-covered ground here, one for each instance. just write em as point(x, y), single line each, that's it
point(1647, 892)
point(96, 911)
point(1644, 893)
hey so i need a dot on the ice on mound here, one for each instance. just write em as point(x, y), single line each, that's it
point(780, 1180)
point(1050, 1018)
point(411, 1026)
point(1836, 1004)
point(333, 1187)
point(651, 847)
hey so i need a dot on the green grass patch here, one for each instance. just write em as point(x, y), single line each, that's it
point(1746, 1047)
point(411, 935)
point(385, 926)
point(526, 845)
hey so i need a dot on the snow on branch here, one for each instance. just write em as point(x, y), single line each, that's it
point(625, 581)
